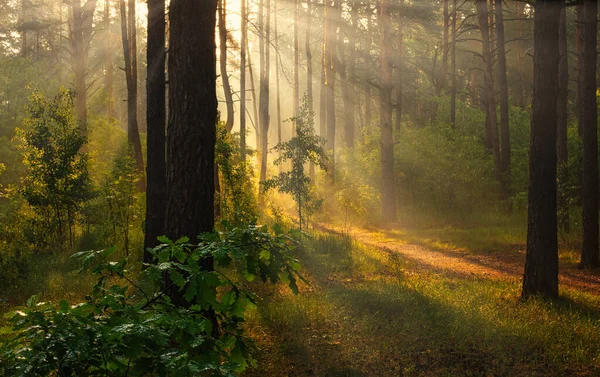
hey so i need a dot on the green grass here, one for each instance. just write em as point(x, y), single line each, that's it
point(370, 313)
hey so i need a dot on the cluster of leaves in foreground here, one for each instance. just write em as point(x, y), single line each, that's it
point(123, 329)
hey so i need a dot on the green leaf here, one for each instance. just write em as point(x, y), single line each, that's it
point(63, 306)
point(177, 278)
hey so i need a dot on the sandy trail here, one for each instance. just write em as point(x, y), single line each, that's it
point(497, 266)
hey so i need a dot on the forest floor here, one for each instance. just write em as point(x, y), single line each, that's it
point(404, 301)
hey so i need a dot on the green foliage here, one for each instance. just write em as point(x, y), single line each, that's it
point(301, 149)
point(57, 181)
point(236, 198)
point(123, 329)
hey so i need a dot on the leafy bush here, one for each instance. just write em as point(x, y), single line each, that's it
point(57, 180)
point(126, 329)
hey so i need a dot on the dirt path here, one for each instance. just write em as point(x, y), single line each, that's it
point(497, 266)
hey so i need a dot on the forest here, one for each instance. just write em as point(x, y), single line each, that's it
point(327, 188)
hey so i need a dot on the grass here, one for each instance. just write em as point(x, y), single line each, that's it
point(368, 312)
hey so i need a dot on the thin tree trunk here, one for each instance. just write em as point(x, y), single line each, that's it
point(309, 72)
point(562, 152)
point(441, 77)
point(110, 101)
point(388, 195)
point(399, 64)
point(330, 83)
point(244, 43)
point(254, 102)
point(520, 52)
point(128, 36)
point(323, 91)
point(579, 37)
point(223, 64)
point(277, 86)
point(346, 75)
point(503, 86)
point(541, 265)
point(491, 134)
point(589, 252)
point(156, 119)
point(453, 68)
point(263, 26)
point(367, 84)
point(296, 60)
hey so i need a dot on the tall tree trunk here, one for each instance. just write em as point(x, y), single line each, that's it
point(491, 134)
point(128, 35)
point(296, 60)
point(309, 72)
point(192, 118)
point(453, 69)
point(388, 194)
point(110, 100)
point(399, 64)
point(589, 252)
point(520, 52)
point(263, 27)
point(244, 43)
point(323, 88)
point(440, 81)
point(347, 77)
point(367, 63)
point(503, 86)
point(277, 86)
point(256, 122)
point(541, 265)
point(562, 152)
point(579, 37)
point(330, 82)
point(223, 64)
point(156, 119)
point(81, 35)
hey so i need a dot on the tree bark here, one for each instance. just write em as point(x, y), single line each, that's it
point(388, 195)
point(223, 64)
point(191, 133)
point(441, 77)
point(332, 12)
point(579, 45)
point(491, 134)
point(110, 100)
point(562, 152)
point(277, 86)
point(156, 119)
point(503, 86)
point(589, 252)
point(244, 43)
point(128, 35)
point(367, 84)
point(296, 60)
point(347, 75)
point(541, 265)
point(264, 84)
point(399, 64)
point(453, 69)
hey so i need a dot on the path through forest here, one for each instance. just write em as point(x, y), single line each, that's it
point(495, 265)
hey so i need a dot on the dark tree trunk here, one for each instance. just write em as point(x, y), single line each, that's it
point(491, 134)
point(264, 26)
point(541, 265)
point(562, 118)
point(191, 132)
point(128, 35)
point(440, 81)
point(243, 81)
point(309, 71)
point(296, 60)
point(399, 64)
point(520, 52)
point(589, 252)
point(367, 84)
point(346, 72)
point(223, 64)
point(330, 82)
point(579, 46)
point(156, 119)
point(110, 100)
point(503, 86)
point(453, 69)
point(277, 86)
point(81, 35)
point(388, 195)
